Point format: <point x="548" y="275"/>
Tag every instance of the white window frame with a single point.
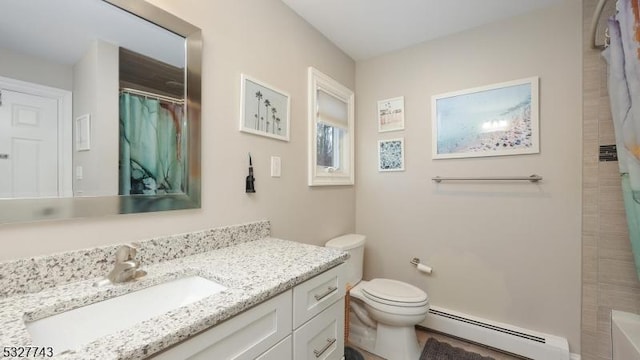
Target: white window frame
<point x="326" y="176"/>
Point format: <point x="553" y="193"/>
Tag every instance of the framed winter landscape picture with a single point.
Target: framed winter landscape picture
<point x="391" y="114"/>
<point x="494" y="120"/>
<point x="264" y="110"/>
<point x="391" y="155"/>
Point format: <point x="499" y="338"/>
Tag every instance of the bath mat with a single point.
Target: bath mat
<point x="352" y="354"/>
<point x="436" y="350"/>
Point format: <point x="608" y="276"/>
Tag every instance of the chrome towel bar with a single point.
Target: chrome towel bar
<point x="532" y="178"/>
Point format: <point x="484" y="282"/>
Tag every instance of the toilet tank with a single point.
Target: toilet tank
<point x="354" y="245"/>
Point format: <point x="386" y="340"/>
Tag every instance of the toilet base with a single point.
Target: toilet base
<point x="361" y="335"/>
<point x="389" y="342"/>
<point x="393" y="342"/>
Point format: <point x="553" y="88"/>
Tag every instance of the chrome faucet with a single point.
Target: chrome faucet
<point x="126" y="267"/>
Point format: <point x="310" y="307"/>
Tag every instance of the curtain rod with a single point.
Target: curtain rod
<point x="152" y="95"/>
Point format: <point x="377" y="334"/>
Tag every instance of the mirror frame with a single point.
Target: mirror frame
<point x="25" y="210"/>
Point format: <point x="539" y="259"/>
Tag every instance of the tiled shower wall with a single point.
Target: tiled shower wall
<point x="609" y="280"/>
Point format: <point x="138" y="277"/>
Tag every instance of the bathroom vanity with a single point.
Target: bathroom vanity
<point x="281" y="299"/>
<point x="306" y="322"/>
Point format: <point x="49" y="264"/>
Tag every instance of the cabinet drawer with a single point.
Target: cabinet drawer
<point x="282" y="351"/>
<point x="317" y="294"/>
<point x="322" y="338"/>
<point x="245" y="336"/>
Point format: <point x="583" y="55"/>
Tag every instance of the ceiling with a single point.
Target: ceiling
<point x="367" y="28"/>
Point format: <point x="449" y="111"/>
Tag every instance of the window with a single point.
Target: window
<point x="330" y="131"/>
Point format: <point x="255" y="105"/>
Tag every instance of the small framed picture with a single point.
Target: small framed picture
<point x="264" y="110"/>
<point x="391" y="155"/>
<point x="391" y="114"/>
<point x="83" y="133"/>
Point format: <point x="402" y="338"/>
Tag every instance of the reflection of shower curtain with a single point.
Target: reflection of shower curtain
<point x="151" y="146"/>
<point x="623" y="57"/>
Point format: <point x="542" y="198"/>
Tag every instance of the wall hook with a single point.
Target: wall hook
<point x="249" y="184"/>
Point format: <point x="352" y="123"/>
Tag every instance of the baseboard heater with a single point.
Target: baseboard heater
<point x="518" y="341"/>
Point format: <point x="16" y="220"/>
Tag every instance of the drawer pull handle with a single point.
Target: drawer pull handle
<point x="330" y="289"/>
<point x="326" y="346"/>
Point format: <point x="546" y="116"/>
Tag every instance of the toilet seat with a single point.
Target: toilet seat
<point x="394" y="293"/>
<point x="376" y="296"/>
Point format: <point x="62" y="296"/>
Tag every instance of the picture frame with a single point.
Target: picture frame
<point x="391" y="155"/>
<point x="494" y="120"/>
<point x="258" y="99"/>
<point x="83" y="132"/>
<point x="391" y="114"/>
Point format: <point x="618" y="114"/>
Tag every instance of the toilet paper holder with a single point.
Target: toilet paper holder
<point x="420" y="266"/>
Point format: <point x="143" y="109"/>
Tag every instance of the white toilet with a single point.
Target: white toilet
<point x="383" y="312"/>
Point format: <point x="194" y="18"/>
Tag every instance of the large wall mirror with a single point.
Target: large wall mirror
<point x="99" y="109"/>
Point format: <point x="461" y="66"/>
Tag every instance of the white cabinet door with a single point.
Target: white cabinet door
<point x="245" y="336"/>
<point x="282" y="351"/>
<point x="317" y="294"/>
<point x="322" y="338"/>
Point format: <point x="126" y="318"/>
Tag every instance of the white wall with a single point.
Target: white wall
<point x="35" y="69"/>
<point x="95" y="92"/>
<point x="268" y="41"/>
<point x="505" y="252"/>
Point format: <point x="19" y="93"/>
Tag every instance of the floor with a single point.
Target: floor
<point x="424" y="335"/>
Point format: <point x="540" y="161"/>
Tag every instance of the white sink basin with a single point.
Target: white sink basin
<point x="72" y="329"/>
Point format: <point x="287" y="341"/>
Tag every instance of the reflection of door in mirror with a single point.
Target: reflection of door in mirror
<point x="30" y="129"/>
<point x="80" y="53"/>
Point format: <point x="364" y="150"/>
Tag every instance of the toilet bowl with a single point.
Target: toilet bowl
<point x="383" y="312"/>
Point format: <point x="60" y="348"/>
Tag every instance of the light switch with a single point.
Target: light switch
<point x="79" y="174"/>
<point x="275" y="166"/>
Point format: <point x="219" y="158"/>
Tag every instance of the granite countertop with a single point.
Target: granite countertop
<point x="252" y="272"/>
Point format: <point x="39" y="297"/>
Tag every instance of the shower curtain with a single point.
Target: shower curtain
<point x="623" y="59"/>
<point x="152" y="146"/>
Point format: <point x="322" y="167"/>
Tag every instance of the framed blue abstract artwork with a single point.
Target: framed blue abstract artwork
<point x="391" y="155"/>
<point x="493" y="120"/>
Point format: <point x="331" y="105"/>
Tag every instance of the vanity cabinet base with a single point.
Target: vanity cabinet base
<point x="268" y="332"/>
<point x="280" y="351"/>
<point x="321" y="338"/>
<point x="245" y="336"/>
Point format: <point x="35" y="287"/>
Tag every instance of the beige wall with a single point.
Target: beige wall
<point x="95" y="91"/>
<point x="269" y="42"/>
<point x="36" y="70"/>
<point x="508" y="252"/>
<point x="609" y="279"/>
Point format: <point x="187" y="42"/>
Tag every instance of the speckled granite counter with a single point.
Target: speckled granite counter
<point x="252" y="272"/>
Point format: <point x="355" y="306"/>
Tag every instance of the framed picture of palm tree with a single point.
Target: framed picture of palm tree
<point x="264" y="110"/>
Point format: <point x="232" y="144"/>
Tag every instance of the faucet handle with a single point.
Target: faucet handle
<point x="133" y="249"/>
<point x="127" y="252"/>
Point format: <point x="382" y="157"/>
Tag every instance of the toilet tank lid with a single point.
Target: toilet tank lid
<point x="346" y="242"/>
